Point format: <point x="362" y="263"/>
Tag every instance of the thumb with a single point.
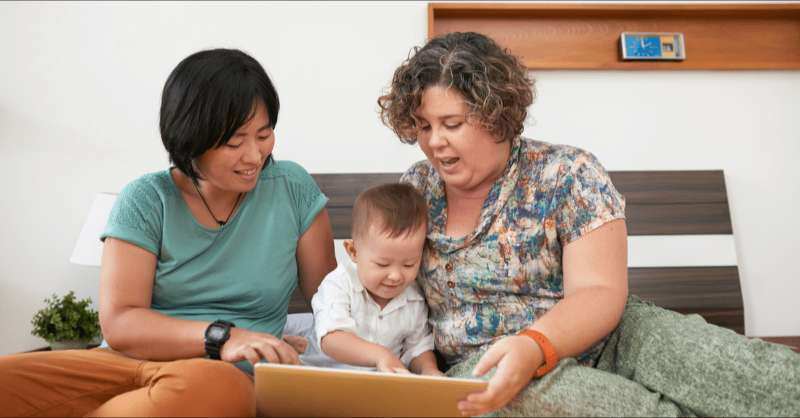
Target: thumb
<point x="487" y="362"/>
<point x="297" y="342"/>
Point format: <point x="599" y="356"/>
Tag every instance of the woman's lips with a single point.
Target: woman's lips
<point x="448" y="163"/>
<point x="247" y="174"/>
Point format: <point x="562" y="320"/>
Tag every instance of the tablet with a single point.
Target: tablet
<point x="283" y="390"/>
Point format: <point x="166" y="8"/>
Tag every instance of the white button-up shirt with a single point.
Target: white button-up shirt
<point x="343" y="304"/>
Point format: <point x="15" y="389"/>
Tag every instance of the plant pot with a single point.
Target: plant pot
<point x="68" y="345"/>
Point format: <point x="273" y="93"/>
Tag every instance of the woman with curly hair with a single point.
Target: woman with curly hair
<point x="525" y="268"/>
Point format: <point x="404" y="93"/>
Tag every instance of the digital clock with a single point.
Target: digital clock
<point x="652" y="46"/>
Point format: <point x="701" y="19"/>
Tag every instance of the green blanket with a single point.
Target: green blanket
<point x="661" y="363"/>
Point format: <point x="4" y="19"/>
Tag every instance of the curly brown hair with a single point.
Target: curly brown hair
<point x="495" y="84"/>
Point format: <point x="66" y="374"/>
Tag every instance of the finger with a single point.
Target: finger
<point x="385" y="369"/>
<point x="267" y="352"/>
<point x="482" y="398"/>
<point x="476" y="401"/>
<point x="485" y="406"/>
<point x="250" y="354"/>
<point x="401" y="370"/>
<point x="487" y="361"/>
<point x="471" y="410"/>
<point x="295" y="342"/>
<point x="298" y="343"/>
<point x="493" y="405"/>
<point x="286" y="353"/>
<point x="497" y="391"/>
<point x="490" y="396"/>
<point x="475" y="409"/>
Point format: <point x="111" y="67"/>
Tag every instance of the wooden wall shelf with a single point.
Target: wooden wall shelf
<point x="557" y="36"/>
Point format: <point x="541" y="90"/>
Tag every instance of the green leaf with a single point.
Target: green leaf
<point x="66" y="318"/>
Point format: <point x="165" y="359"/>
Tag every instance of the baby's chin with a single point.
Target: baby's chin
<point x="388" y="294"/>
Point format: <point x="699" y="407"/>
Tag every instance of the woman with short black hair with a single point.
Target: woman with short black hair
<point x="199" y="261"/>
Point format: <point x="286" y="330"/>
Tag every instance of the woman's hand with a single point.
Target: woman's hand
<point x="516" y="358"/>
<point x="390" y="363"/>
<point x="300" y="344"/>
<point x="254" y="346"/>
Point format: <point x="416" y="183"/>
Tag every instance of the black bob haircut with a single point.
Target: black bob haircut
<point x="207" y="98"/>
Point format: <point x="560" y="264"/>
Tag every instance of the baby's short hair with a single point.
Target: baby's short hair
<point x="394" y="208"/>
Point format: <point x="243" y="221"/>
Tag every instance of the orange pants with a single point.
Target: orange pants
<point x="102" y="382"/>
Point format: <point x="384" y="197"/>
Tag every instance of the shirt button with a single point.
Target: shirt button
<point x="448" y="267"/>
<point x="451" y="284"/>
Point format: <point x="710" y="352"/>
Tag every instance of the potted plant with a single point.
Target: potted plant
<point x="66" y="323"/>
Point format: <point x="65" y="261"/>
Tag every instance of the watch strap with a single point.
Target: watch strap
<point x="213" y="350"/>
<point x="550" y="356"/>
<point x="214" y="347"/>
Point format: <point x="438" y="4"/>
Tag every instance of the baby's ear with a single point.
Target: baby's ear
<point x="350" y="247"/>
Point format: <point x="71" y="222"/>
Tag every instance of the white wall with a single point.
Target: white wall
<point x="79" y="95"/>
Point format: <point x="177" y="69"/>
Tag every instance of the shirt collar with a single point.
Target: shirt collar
<point x="502" y="188"/>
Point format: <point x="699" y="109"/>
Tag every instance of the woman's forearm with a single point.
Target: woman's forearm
<point x="129" y="325"/>
<point x="581" y="319"/>
<point x="146" y="334"/>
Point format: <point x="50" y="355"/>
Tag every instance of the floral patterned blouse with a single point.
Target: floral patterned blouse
<point x="507" y="272"/>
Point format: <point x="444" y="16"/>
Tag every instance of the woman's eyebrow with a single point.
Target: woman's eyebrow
<point x="263" y="128"/>
<point x="454" y="115"/>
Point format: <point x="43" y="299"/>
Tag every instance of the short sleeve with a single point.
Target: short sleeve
<point x="137" y="216"/>
<point x="331" y="306"/>
<point x="307" y="198"/>
<point x="421" y="340"/>
<point x="585" y="198"/>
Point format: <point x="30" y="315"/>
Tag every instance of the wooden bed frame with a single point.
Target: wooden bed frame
<point x="658" y="203"/>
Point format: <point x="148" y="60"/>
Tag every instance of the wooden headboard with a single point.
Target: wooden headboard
<point x="660" y="205"/>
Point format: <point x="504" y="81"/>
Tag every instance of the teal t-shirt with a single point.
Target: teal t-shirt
<point x="243" y="272"/>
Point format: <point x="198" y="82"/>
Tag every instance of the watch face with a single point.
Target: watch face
<point x="216" y="333"/>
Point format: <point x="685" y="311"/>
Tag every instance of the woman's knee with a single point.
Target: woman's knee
<point x="209" y="387"/>
<point x="61" y="382"/>
<point x="645" y="322"/>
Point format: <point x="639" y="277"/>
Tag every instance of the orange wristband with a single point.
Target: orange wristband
<point x="550" y="356"/>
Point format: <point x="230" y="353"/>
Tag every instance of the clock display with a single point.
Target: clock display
<point x="652" y="46"/>
<point x="648" y="46"/>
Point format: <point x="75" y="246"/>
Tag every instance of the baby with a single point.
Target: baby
<point x="370" y="312"/>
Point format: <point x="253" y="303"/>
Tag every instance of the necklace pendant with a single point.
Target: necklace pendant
<point x="235" y="204"/>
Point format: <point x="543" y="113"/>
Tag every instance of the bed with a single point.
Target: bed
<point x="681" y="244"/>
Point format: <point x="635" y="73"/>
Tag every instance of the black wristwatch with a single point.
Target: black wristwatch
<point x="216" y="334"/>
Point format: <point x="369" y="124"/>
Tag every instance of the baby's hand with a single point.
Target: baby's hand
<point x="389" y="363"/>
<point x="297" y="342"/>
<point x="433" y="372"/>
